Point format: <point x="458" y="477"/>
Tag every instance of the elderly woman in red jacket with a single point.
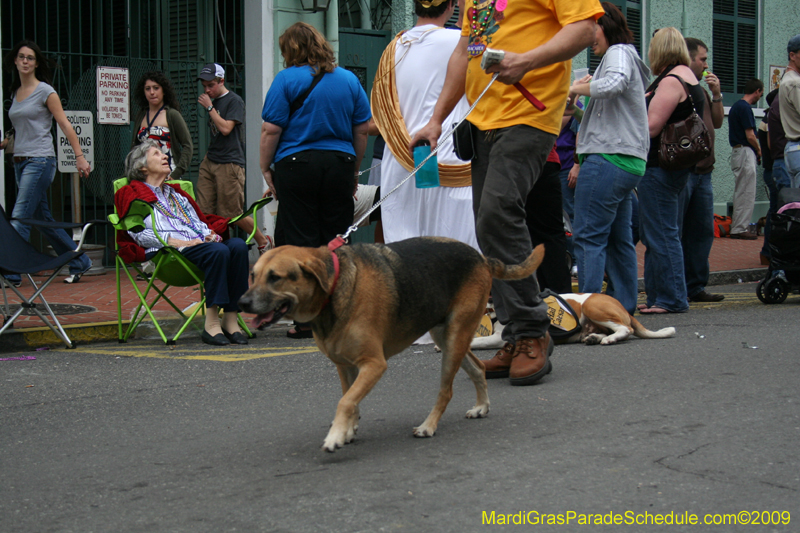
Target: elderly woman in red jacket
<point x="201" y="238"/>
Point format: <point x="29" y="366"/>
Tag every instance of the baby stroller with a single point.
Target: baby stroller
<point x="783" y="274"/>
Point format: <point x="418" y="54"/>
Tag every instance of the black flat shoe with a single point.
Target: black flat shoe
<point x="237" y="337"/>
<point x="217" y="340"/>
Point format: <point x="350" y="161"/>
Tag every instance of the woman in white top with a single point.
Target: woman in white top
<point x="34" y="105"/>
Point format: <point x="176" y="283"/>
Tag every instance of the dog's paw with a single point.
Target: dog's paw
<point x="593" y="339"/>
<point x="331" y="446"/>
<point x="479" y="411"/>
<point x="335" y="440"/>
<point x="424" y="431"/>
<point x="608" y="340"/>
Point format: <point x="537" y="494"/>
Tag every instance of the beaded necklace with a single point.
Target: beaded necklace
<point x="476" y="31"/>
<point x="164" y="209"/>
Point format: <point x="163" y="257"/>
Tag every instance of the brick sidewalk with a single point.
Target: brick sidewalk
<point x="99" y="292"/>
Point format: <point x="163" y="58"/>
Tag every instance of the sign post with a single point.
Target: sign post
<point x="83" y="125"/>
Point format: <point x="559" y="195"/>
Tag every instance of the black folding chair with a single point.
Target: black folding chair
<point x="20" y="257"/>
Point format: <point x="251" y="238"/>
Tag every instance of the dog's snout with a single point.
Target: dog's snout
<point x="246" y="302"/>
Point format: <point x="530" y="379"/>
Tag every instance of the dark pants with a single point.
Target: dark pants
<point x="315" y="190"/>
<point x="506" y="167"/>
<point x="225" y="265"/>
<point x="545" y="220"/>
<point x="696" y="228"/>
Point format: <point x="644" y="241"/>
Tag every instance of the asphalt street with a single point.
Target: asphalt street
<point x="139" y="438"/>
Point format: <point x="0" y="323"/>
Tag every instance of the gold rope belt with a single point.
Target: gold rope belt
<point x="389" y="119"/>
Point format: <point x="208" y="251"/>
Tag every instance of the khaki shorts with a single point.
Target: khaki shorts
<point x="220" y="188"/>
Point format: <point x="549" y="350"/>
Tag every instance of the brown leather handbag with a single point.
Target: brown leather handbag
<point x="686" y="142"/>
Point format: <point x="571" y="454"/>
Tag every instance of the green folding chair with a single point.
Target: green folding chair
<point x="171" y="268"/>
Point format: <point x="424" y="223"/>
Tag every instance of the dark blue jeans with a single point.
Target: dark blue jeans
<point x="568" y="204"/>
<point x="775" y="179"/>
<point x="696" y="227"/>
<point x="34" y="176"/>
<point x="603" y="237"/>
<point x="664" y="279"/>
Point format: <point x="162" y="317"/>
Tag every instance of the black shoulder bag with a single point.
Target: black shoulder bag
<point x="300" y="100"/>
<point x="686" y="142"/>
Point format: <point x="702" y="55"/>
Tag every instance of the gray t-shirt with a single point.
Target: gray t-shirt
<point x="228" y="148"/>
<point x="33" y="122"/>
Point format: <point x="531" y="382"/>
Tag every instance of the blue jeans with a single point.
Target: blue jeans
<point x="696" y="228"/>
<point x="568" y="204"/>
<point x="34" y="176"/>
<point x="776" y="179"/>
<point x="664" y="280"/>
<point x="791" y="156"/>
<point x="603" y="237"/>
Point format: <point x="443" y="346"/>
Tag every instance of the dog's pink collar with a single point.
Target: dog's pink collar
<point x="338" y="242"/>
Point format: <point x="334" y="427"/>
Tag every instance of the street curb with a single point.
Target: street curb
<point x="32" y="338"/>
<point x="728" y="277"/>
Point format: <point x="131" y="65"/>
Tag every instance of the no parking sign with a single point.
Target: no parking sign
<point x="83" y="125"/>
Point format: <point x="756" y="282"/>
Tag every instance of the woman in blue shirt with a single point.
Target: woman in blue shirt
<point x="316" y="148"/>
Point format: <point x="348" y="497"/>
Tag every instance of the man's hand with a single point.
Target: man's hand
<point x="713" y="83"/>
<point x="512" y="68"/>
<point x="430" y="132"/>
<point x="204" y="100"/>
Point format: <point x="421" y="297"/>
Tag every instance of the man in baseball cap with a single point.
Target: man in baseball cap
<point x="211" y="71"/>
<point x="221" y="177"/>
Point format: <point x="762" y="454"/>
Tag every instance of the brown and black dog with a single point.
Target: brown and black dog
<point x="384" y="298"/>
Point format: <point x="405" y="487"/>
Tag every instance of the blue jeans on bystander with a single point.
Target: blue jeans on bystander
<point x="34" y="176"/>
<point x="776" y="179"/>
<point x="696" y="228"/>
<point x="568" y="204"/>
<point x="664" y="279"/>
<point x="603" y="237"/>
<point x="791" y="156"/>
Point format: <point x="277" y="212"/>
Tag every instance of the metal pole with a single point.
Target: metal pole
<point x="76" y="205"/>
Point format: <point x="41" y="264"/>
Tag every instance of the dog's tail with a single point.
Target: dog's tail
<point x="500" y="270"/>
<point x="643" y="333"/>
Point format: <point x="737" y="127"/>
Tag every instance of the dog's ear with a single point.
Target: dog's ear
<point x="318" y="269"/>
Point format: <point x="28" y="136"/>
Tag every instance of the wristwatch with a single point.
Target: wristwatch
<point x="209" y="108"/>
<point x="715" y="100"/>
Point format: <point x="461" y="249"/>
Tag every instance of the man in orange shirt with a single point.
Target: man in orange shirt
<point x="512" y="139"/>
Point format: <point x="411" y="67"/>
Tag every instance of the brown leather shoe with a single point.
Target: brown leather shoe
<point x="497" y="366"/>
<point x="531" y="360"/>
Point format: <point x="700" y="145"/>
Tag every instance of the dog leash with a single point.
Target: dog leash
<point x="342" y="239"/>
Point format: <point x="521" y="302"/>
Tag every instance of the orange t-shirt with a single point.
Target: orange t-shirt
<point x="519" y="26"/>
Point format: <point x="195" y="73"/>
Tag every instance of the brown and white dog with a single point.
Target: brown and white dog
<point x="602" y="318"/>
<point x="367" y="302"/>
